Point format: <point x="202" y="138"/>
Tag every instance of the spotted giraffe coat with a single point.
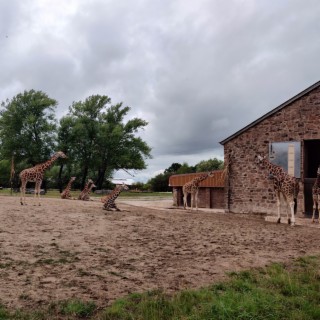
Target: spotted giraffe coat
<point x="316" y="195"/>
<point x="65" y="194"/>
<point x="109" y="200"/>
<point x="35" y="174"/>
<point x="192" y="187"/>
<point x="85" y="190"/>
<point x="283" y="184"/>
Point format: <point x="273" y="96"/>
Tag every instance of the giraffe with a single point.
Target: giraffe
<point x="192" y="187"/>
<point x="316" y="196"/>
<point x="283" y="184"/>
<point x="66" y="192"/>
<point x="109" y="200"/>
<point x="86" y="197"/>
<point x="35" y="174"/>
<point x="85" y="190"/>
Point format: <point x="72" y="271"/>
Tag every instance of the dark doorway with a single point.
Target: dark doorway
<point x="311" y="163"/>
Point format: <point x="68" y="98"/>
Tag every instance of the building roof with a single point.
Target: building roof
<point x="217" y="180"/>
<point x="283" y="105"/>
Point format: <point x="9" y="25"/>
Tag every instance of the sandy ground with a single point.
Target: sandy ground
<point x="68" y="249"/>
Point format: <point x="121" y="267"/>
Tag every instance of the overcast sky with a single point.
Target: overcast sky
<point x="197" y="71"/>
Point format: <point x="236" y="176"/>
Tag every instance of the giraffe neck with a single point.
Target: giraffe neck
<point x="86" y="187"/>
<point x="69" y="184"/>
<point x="44" y="166"/>
<point x="116" y="192"/>
<point x="199" y="179"/>
<point x="276" y="171"/>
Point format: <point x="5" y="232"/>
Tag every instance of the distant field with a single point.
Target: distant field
<point x="53" y="193"/>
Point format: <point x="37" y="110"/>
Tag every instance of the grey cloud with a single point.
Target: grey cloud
<point x="197" y="71"/>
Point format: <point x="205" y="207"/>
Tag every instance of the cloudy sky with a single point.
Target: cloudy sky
<point x="197" y="71"/>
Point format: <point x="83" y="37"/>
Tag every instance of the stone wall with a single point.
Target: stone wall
<point x="247" y="188"/>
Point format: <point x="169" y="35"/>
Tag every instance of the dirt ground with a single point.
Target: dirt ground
<point x="68" y="249"/>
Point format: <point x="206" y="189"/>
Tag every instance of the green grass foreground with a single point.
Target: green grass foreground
<point x="276" y="292"/>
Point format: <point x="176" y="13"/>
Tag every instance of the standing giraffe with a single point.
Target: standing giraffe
<point x="192" y="187"/>
<point x="109" y="200"/>
<point x="35" y="174"/>
<point x="85" y="190"/>
<point x="283" y="184"/>
<point x="316" y="196"/>
<point x="66" y="192"/>
<point x="86" y="196"/>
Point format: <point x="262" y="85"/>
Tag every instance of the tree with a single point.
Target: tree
<point x="160" y="183"/>
<point x="96" y="137"/>
<point x="173" y="168"/>
<point x="28" y="127"/>
<point x="209" y="165"/>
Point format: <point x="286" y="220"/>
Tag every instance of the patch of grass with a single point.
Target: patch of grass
<point x="77" y="308"/>
<point x="279" y="291"/>
<point x="275" y="292"/>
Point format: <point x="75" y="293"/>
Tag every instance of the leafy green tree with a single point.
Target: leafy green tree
<point x="28" y="127"/>
<point x="209" y="165"/>
<point x="99" y="140"/>
<point x="160" y="183"/>
<point x="185" y="168"/>
<point x="173" y="168"/>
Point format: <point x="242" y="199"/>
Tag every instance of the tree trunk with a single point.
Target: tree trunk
<point x="60" y="179"/>
<point x="100" y="179"/>
<point x="84" y="176"/>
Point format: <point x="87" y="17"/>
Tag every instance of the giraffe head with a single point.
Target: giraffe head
<point x="60" y="154"/>
<point x="122" y="187"/>
<point x="89" y="181"/>
<point x="211" y="173"/>
<point x="72" y="179"/>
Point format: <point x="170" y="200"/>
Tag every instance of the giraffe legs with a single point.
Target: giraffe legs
<point x="192" y="200"/>
<point x="185" y="196"/>
<point x="279" y="206"/>
<point x="23" y="192"/>
<point x="197" y="198"/>
<point x="37" y="191"/>
<point x="315" y="206"/>
<point x="292" y="221"/>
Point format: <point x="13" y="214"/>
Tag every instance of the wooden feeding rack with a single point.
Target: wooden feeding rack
<point x="216" y="181"/>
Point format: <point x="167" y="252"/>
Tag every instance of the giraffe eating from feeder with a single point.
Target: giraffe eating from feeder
<point x="192" y="187"/>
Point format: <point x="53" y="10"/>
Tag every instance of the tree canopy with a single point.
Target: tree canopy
<point x="97" y="137"/>
<point x="28" y="127"/>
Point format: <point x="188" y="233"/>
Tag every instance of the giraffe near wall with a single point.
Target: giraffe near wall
<point x="85" y="190"/>
<point x="35" y="174"/>
<point x="192" y="187"/>
<point x="316" y="196"/>
<point x="109" y="200"/>
<point x="283" y="184"/>
<point x="65" y="194"/>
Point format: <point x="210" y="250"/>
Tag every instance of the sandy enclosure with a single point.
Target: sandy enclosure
<point x="68" y="249"/>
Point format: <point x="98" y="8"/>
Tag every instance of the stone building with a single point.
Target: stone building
<point x="290" y="136"/>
